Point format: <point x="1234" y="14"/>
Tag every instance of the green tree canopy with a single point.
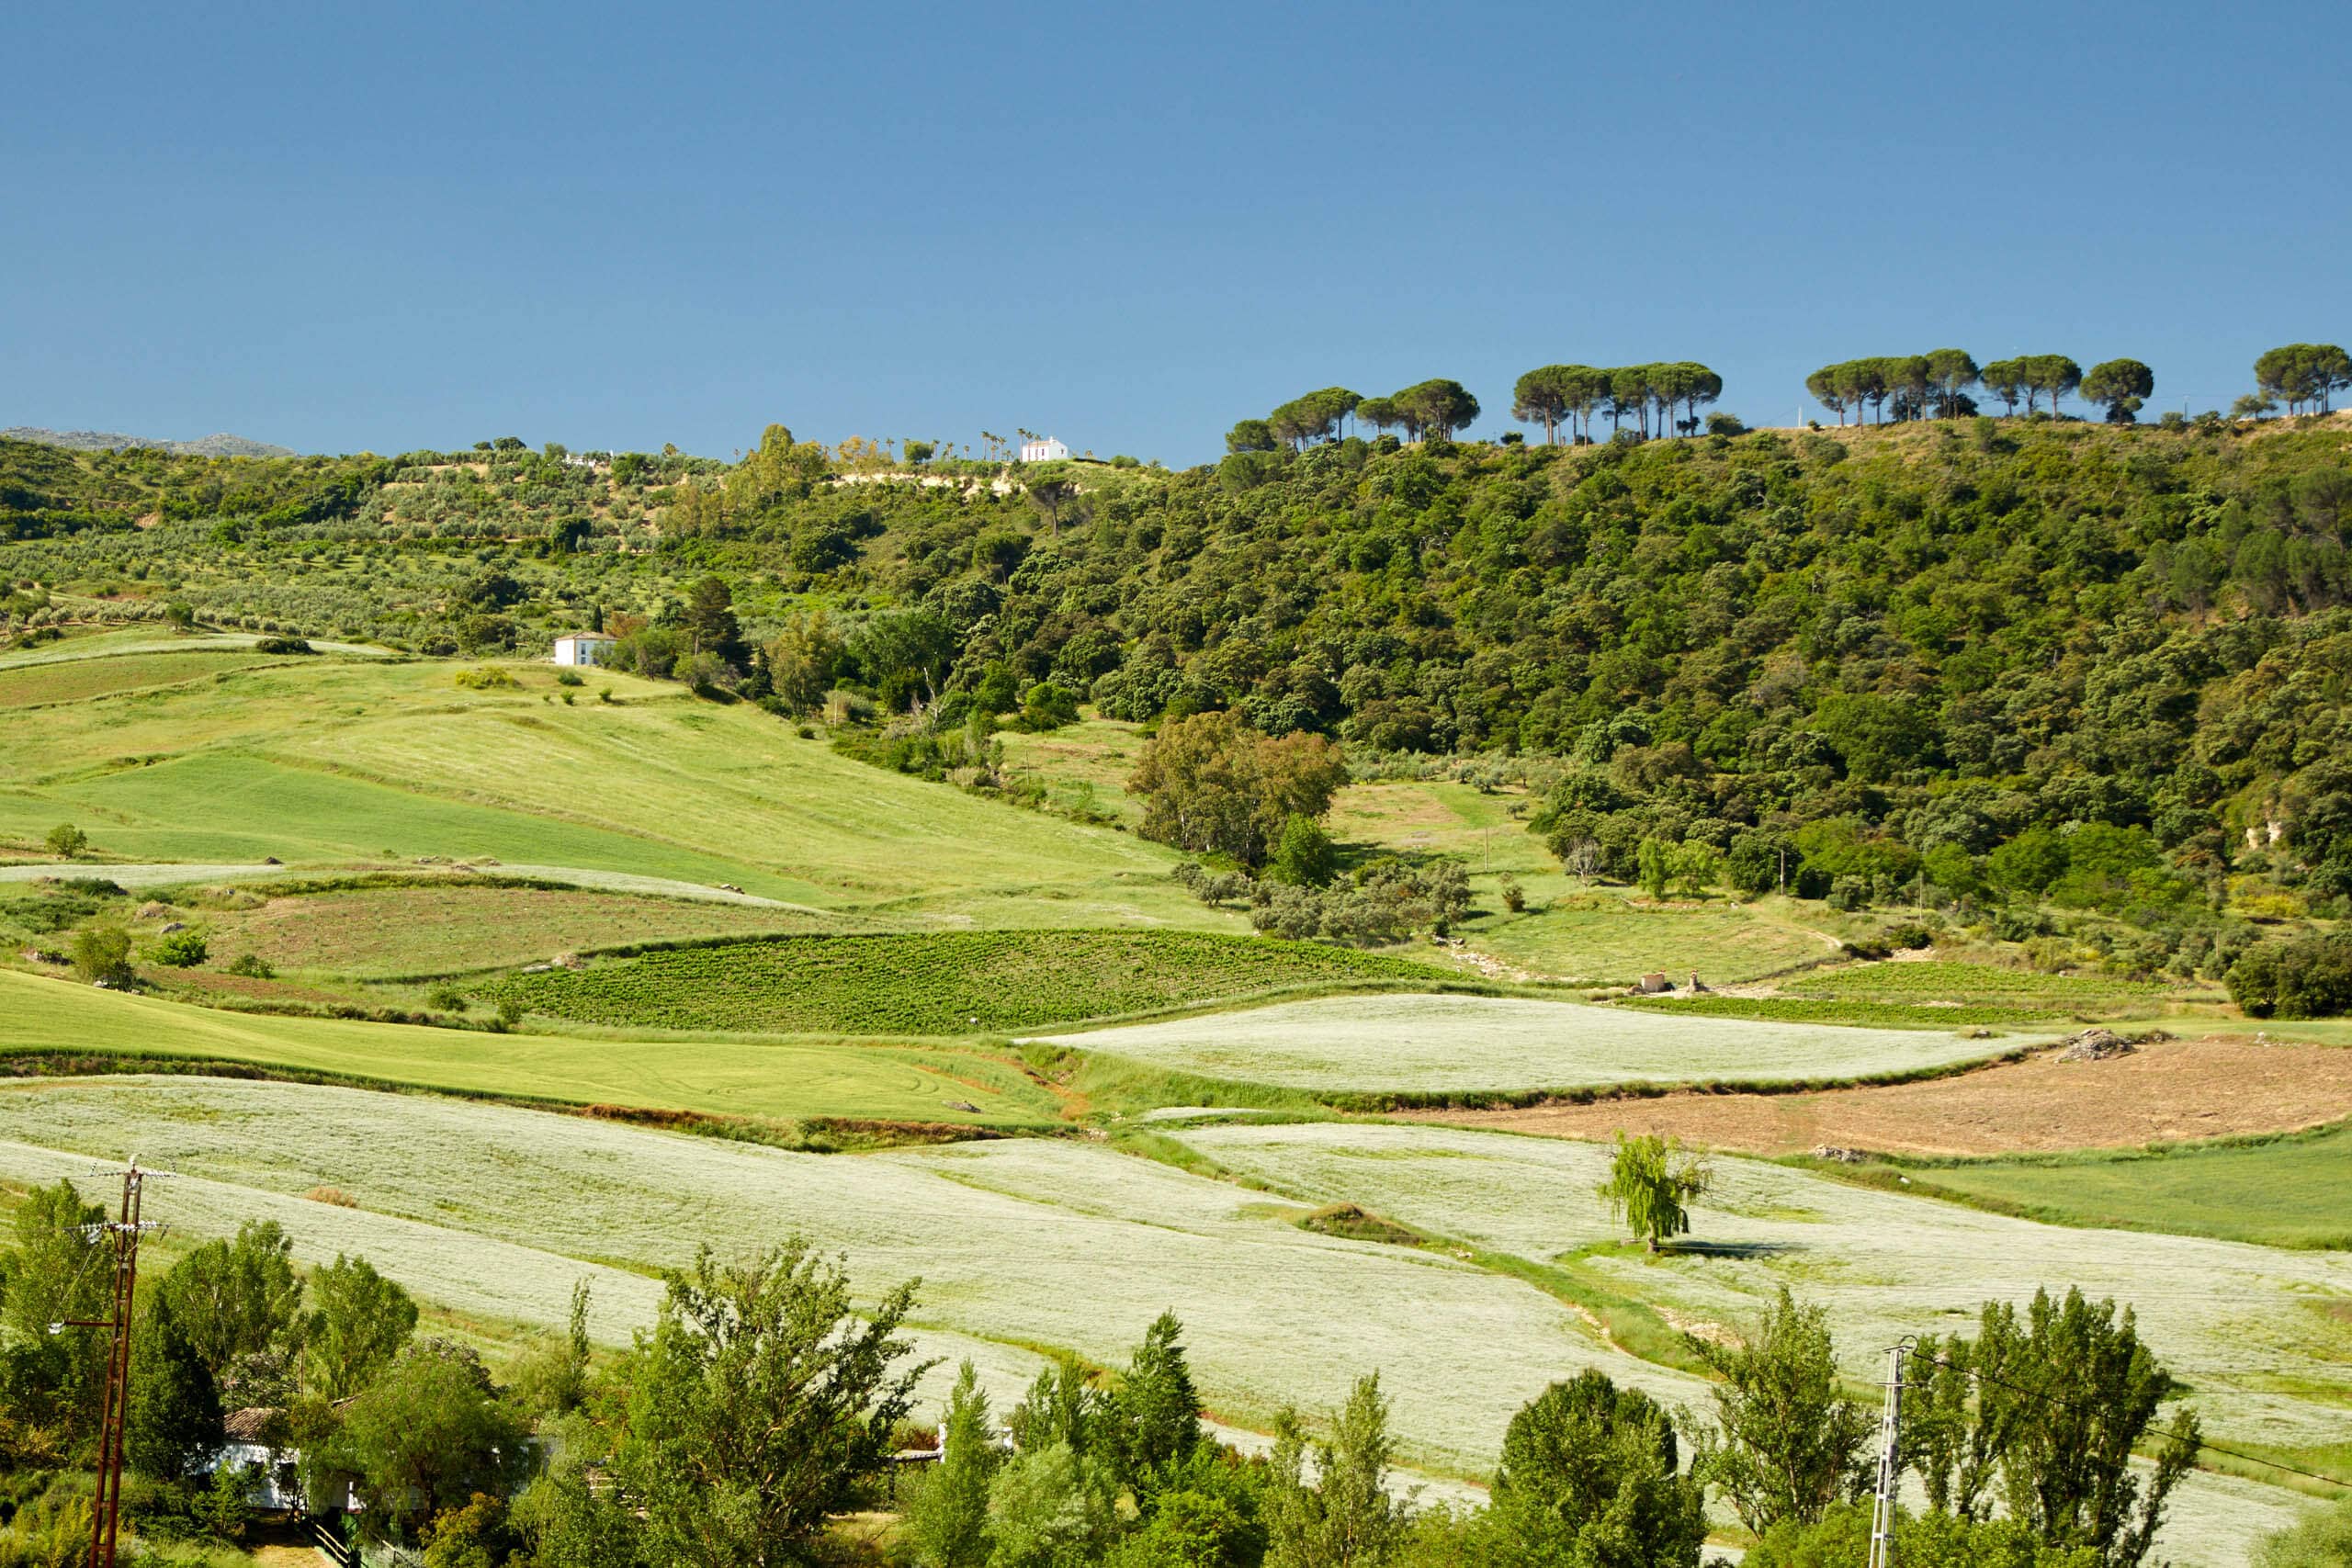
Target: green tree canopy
<point x="1589" y="1473"/>
<point x="2121" y="387"/>
<point x="1652" y="1183"/>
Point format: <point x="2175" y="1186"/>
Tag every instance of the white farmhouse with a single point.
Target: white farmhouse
<point x="1045" y="449"/>
<point x="582" y="647"/>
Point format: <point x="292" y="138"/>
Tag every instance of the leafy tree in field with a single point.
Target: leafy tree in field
<point x="2051" y="375"/>
<point x="2306" y="977"/>
<point x="2119" y="385"/>
<point x="2006" y="379"/>
<point x="904" y="655"/>
<point x="1304" y="857"/>
<point x="174" y="1414"/>
<point x="1950" y="372"/>
<point x="1050" y="1508"/>
<point x="1652" y="1183"/>
<point x="427" y="1436"/>
<point x="803" y="659"/>
<point x="2043" y="1418"/>
<point x="1696" y="867"/>
<point x="1589" y="1475"/>
<point x="1909" y="382"/>
<point x="1828" y="388"/>
<point x="1210" y="784"/>
<point x="1436" y="406"/>
<point x="758" y="1405"/>
<point x="1656" y="866"/>
<point x="1346" y="1518"/>
<point x="235" y="1298"/>
<point x="2304" y="376"/>
<point x="1061" y="1407"/>
<point x="710" y="622"/>
<point x="1252" y="435"/>
<point x="1541" y="396"/>
<point x="1787" y="1445"/>
<point x="66" y="842"/>
<point x="56" y="1272"/>
<point x="358" y="1322"/>
<point x="946" y="1519"/>
<point x="1156" y="1412"/>
<point x="102" y="956"/>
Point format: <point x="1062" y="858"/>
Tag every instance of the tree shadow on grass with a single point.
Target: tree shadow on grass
<point x="1732" y="1249"/>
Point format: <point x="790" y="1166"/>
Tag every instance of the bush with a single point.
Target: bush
<point x="445" y="998"/>
<point x="1514" y="895"/>
<point x="181" y="950"/>
<point x="102" y="956"/>
<point x="284" y="645"/>
<point x="253" y="966"/>
<point x="2301" y="977"/>
<point x="486" y="678"/>
<point x="66" y="842"/>
<point x="568" y="678"/>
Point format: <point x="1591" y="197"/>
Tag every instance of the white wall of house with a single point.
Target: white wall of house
<point x="582" y="650"/>
<point x="1047" y="451"/>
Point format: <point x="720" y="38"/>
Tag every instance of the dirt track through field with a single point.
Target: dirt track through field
<point x="2163" y="1092"/>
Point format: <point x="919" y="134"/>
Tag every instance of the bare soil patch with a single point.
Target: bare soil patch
<point x="2163" y="1092"/>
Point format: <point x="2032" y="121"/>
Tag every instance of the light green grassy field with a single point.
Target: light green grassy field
<point x="1023" y="1243"/>
<point x="2257" y="1333"/>
<point x="1440" y="1043"/>
<point x="2285" y="1192"/>
<point x="333" y="761"/>
<point x="1986" y="984"/>
<point x="783" y="1079"/>
<point x="150" y="638"/>
<point x="940" y="982"/>
<point x="79" y="680"/>
<point x="1056" y="1244"/>
<point x="1609" y="937"/>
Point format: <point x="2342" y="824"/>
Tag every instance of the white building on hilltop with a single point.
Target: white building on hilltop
<point x="1045" y="449"/>
<point x="582" y="647"/>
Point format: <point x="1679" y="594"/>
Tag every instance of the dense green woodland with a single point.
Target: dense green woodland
<point x="1952" y="659"/>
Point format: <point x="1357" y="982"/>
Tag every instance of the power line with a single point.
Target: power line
<point x="105" y="1508"/>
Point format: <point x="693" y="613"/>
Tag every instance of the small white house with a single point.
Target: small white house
<point x="582" y="647"/>
<point x="1045" y="449"/>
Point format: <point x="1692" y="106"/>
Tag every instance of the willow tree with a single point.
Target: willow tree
<point x="1652" y="1183"/>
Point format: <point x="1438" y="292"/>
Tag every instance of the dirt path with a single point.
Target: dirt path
<point x="2173" y="1090"/>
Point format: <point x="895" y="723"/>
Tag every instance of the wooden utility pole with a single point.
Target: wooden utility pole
<point x="106" y="1508"/>
<point x="1890" y="1461"/>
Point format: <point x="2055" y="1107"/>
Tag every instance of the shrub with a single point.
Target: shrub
<point x="485" y="678"/>
<point x="66" y="842"/>
<point x="102" y="956"/>
<point x="284" y="645"/>
<point x="181" y="950"/>
<point x="447" y="998"/>
<point x="568" y="678"/>
<point x="1514" y="895"/>
<point x="253" y="966"/>
<point x="1305" y="856"/>
<point x="2301" y="977"/>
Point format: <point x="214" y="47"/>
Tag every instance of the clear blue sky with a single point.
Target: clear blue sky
<point x="344" y="227"/>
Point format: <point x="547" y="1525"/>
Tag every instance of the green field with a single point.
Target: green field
<point x="1451" y="1045"/>
<point x="1074" y="1247"/>
<point x="940" y="983"/>
<point x="334" y="761"/>
<point x="2286" y="1192"/>
<point x="1985" y="984"/>
<point x="79" y="680"/>
<point x="1604" y="937"/>
<point x="1824" y="1009"/>
<point x="2260" y="1335"/>
<point x="783" y="1079"/>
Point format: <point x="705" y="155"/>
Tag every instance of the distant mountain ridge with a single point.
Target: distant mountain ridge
<point x="216" y="445"/>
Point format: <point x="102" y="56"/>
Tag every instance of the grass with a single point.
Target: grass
<point x="2284" y="1191"/>
<point x="943" y="982"/>
<point x="334" y="761"/>
<point x="2259" y="1334"/>
<point x="381" y="932"/>
<point x="782" y="1080"/>
<point x="1441" y="1045"/>
<point x="1026" y="1241"/>
<point x="1602" y="936"/>
<point x="79" y="680"/>
<point x="1985" y="984"/>
<point x="1812" y="1010"/>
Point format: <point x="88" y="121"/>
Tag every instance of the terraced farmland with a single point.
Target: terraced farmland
<point x="1982" y="984"/>
<point x="945" y="983"/>
<point x="1432" y="1045"/>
